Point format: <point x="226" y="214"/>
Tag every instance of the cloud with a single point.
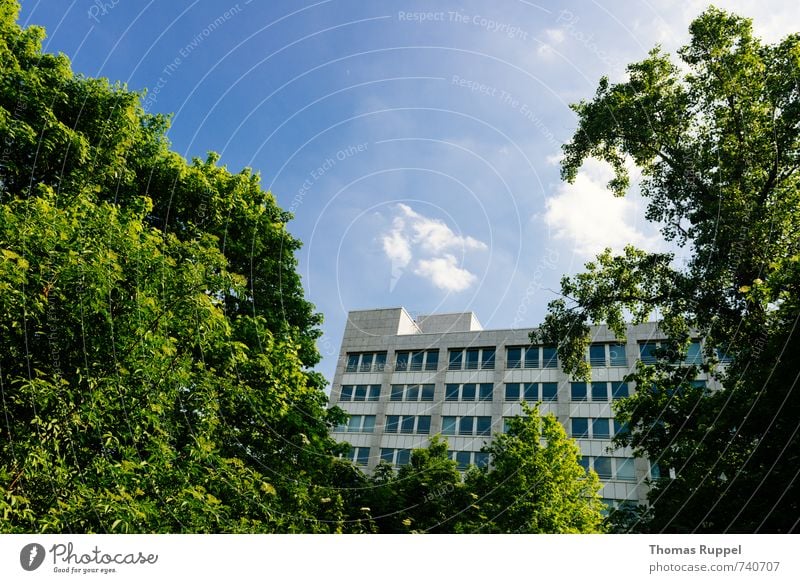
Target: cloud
<point x="433" y="243"/>
<point x="586" y="214"/>
<point x="445" y="274"/>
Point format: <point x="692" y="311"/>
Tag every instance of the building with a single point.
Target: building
<point x="403" y="379"/>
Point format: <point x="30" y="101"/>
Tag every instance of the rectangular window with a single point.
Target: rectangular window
<point x="532" y="357"/>
<point x="424" y="424"/>
<point x="432" y="360"/>
<point x="380" y="361"/>
<point x="412" y="393"/>
<point x="369" y="424"/>
<point x="486" y="392"/>
<point x="462" y="459"/>
<point x="466" y="425"/>
<point x="448" y="425"/>
<point x="427" y="393"/>
<point x="401" y="362"/>
<point x="392" y="421"/>
<point x="397" y="393"/>
<point x="455" y="359"/>
<point x="625" y="469"/>
<point x="451" y="392"/>
<point x="484" y="425"/>
<point x="361" y="424"/>
<point x="362" y="456"/>
<point x="417" y="358"/>
<point x="403" y="457"/>
<point x="597" y="355"/>
<point x="549" y="392"/>
<point x="693" y="354"/>
<point x="513" y="357"/>
<point x="601" y="429"/>
<point x="361" y="393"/>
<point x="407" y="424"/>
<point x="472" y="359"/>
<point x="387" y="455"/>
<point x="352" y="363"/>
<point x="549" y="357"/>
<point x="468" y="392"/>
<point x="655" y="471"/>
<point x="620" y="428"/>
<point x="487" y="360"/>
<point x="619" y="390"/>
<point x="481" y="459"/>
<point x="366" y="362"/>
<point x="531" y="392"/>
<point x="347" y="393"/>
<point x="374" y="393"/>
<point x="512" y="391"/>
<point x="506" y="424"/>
<point x="599" y="392"/>
<point x="354" y="424"/>
<point x="578" y="391"/>
<point x="602" y="465"/>
<point x="616" y="352"/>
<point x="584" y="463"/>
<point x="647" y="352"/>
<point x="580" y="427"/>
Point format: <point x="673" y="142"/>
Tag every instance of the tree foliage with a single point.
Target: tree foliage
<point x="716" y="140"/>
<point x="154" y="338"/>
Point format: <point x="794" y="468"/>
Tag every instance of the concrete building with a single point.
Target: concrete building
<point x="403" y="379"/>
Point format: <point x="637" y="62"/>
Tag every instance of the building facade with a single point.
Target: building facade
<point x="402" y="380"/>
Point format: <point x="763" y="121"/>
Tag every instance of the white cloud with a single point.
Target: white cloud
<point x="445" y="274"/>
<point x="433" y="243"/>
<point x="586" y="214"/>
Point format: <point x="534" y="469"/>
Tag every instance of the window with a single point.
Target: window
<point x="481" y="459"/>
<point x="451" y="392"/>
<point x="506" y="425"/>
<point x="472" y="358"/>
<point x="448" y="425"/>
<point x="358" y="455"/>
<point x="599" y="392"/>
<point x="468" y="392"/>
<point x="549" y="391"/>
<point x="387" y="455"/>
<point x="416" y="360"/>
<point x="625" y="469"/>
<point x="466" y="425"/>
<point x="601" y="428"/>
<point x="578" y="391"/>
<point x="412" y="393"/>
<point x="549" y="357"/>
<point x="724" y="355"/>
<point x="584" y="463"/>
<point x="647" y="352"/>
<point x="361" y="393"/>
<point x="347" y="393"/>
<point x="602" y="465"/>
<point x="366" y="362"/>
<point x="358" y="424"/>
<point x="619" y="390"/>
<point x="408" y="424"/>
<point x="513" y="357"/>
<point x="580" y="427"/>
<point x="512" y="391"/>
<point x="486" y="392"/>
<point x="396" y="457"/>
<point x="655" y="471"/>
<point x="620" y="428"/>
<point x="597" y="355"/>
<point x="519" y="356"/>
<point x="616" y="353"/>
<point x="694" y="354"/>
<point x="484" y="425"/>
<point x="531" y="393"/>
<point x="532" y="357"/>
<point x="403" y="457"/>
<point x="463" y="459"/>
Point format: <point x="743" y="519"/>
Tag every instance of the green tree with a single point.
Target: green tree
<point x="154" y="338"/>
<point x="716" y="142"/>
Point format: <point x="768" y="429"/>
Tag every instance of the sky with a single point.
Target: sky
<point x="416" y="142"/>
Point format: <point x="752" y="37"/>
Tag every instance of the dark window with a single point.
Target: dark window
<point x="602" y="465"/>
<point x="392" y="421"/>
<point x="347" y="393"/>
<point x="352" y="363"/>
<point x="486" y="392"/>
<point x="549" y="391"/>
<point x="488" y="359"/>
<point x="620" y="428"/>
<point x="366" y="362"/>
<point x="531" y="392"/>
<point x="412" y="392"/>
<point x="380" y="361"/>
<point x="374" y="393"/>
<point x="397" y="393"/>
<point x="600" y="429"/>
<point x="481" y="459"/>
<point x="417" y="359"/>
<point x="448" y="425"/>
<point x="387" y="455"/>
<point x="512" y="391"/>
<point x="407" y="424"/>
<point x="462" y="459"/>
<point x="532" y="357"/>
<point x="362" y="456"/>
<point x="578" y="391"/>
<point x="693" y="354"/>
<point x="597" y="355"/>
<point x="468" y="392"/>
<point x="401" y="363"/>
<point x="617" y="354"/>
<point x="466" y="425"/>
<point x="619" y="390"/>
<point x="472" y="359"/>
<point x="451" y="393"/>
<point x="580" y="427"/>
<point x="424" y="424"/>
<point x="427" y="393"/>
<point x="584" y="463"/>
<point x="432" y="362"/>
<point x="513" y="357"/>
<point x="549" y="357"/>
<point x="403" y="457"/>
<point x="455" y="359"/>
<point x="647" y="352"/>
<point x="361" y="393"/>
<point x="625" y="469"/>
<point x="484" y="425"/>
<point x="599" y="392"/>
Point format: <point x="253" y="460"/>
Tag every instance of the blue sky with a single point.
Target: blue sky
<point x="415" y="142"/>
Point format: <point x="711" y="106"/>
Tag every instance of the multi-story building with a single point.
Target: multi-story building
<point x="403" y="379"/>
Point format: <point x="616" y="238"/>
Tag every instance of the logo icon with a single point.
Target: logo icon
<point x="31" y="556"/>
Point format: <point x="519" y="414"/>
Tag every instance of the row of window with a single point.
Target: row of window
<point x="531" y="392"/>
<point x="466" y="425"/>
<point x="599" y="428"/>
<point x="599" y="355"/>
<point x="412" y="393"/>
<point x="599" y="391"/>
<point x="463" y="459"/>
<point x="469" y="392"/>
<point x="408" y="424"/>
<point x="611" y="468"/>
<point x="358" y="455"/>
<point x="360" y="393"/>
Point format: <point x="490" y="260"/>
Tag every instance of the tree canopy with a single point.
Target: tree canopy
<point x="716" y="140"/>
<point x="155" y="343"/>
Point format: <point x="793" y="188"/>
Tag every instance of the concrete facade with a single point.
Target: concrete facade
<point x="467" y="400"/>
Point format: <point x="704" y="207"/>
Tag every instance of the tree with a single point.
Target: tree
<point x="534" y="484"/>
<point x="716" y="142"/>
<point x="154" y="338"/>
